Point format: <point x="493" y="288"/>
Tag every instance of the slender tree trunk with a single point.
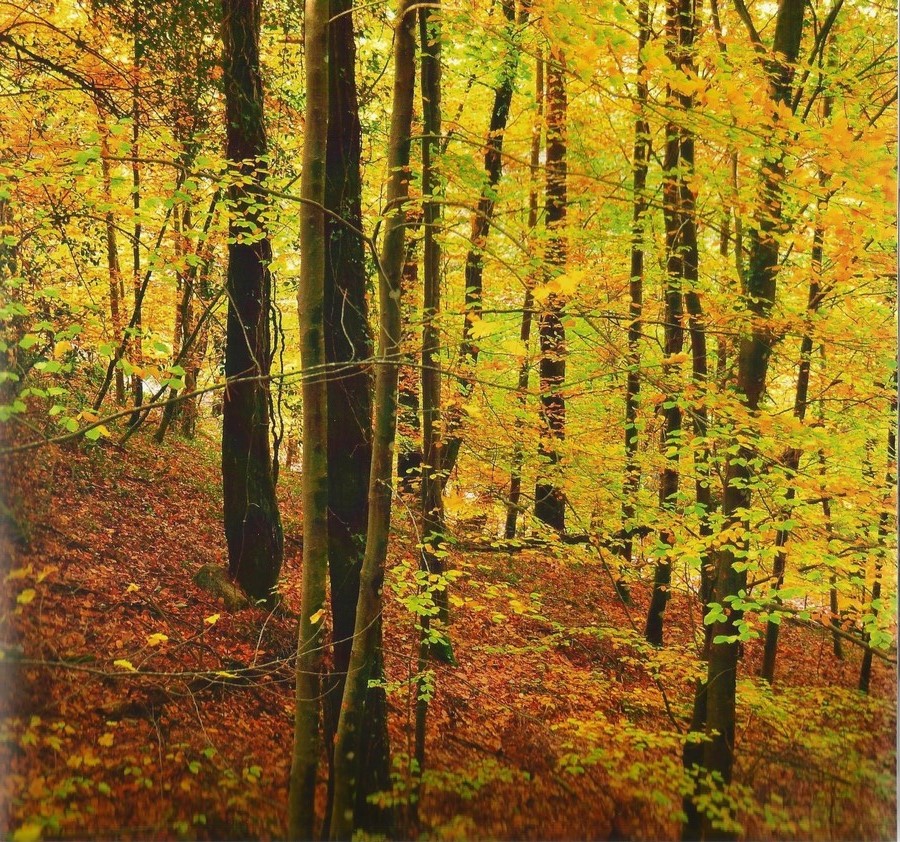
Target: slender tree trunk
<point x="364" y="654"/>
<point x="348" y="348"/>
<point x="632" y="480"/>
<point x="196" y="352"/>
<point x="311" y="300"/>
<point x="135" y="346"/>
<point x="518" y="460"/>
<point x="884" y="529"/>
<point x="549" y="497"/>
<point x="833" y="600"/>
<point x="481" y="222"/>
<point x="252" y="522"/>
<point x="792" y="457"/>
<point x="432" y="449"/>
<point x="753" y="358"/>
<point x="409" y="428"/>
<point x="680" y="230"/>
<point x="183" y="315"/>
<point x="112" y="261"/>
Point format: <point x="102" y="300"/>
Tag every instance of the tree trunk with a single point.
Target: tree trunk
<point x="481" y="222"/>
<point x="549" y="497"/>
<point x="680" y="229"/>
<point x="183" y="315"/>
<point x="112" y="261"/>
<point x="409" y="429"/>
<point x="515" y="479"/>
<point x="792" y="457"/>
<point x="632" y="480"/>
<point x="252" y="522"/>
<point x="348" y="348"/>
<point x="833" y="602"/>
<point x="301" y="804"/>
<point x="364" y="655"/>
<point x="135" y="349"/>
<point x="753" y="357"/>
<point x="432" y="448"/>
<point x="884" y="529"/>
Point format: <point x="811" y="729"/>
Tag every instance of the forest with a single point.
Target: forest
<point x="448" y="419"/>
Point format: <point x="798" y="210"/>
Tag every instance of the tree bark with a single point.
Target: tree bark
<point x="518" y="460"/>
<point x="890" y="487"/>
<point x="136" y="351"/>
<point x="432" y="447"/>
<point x="409" y="428"/>
<point x="481" y="223"/>
<point x="252" y="521"/>
<point x="632" y="479"/>
<point x="366" y="647"/>
<point x="311" y="300"/>
<point x="792" y="457"/>
<point x="752" y="366"/>
<point x="681" y="245"/>
<point x="348" y="349"/>
<point x="112" y="261"/>
<point x="549" y="497"/>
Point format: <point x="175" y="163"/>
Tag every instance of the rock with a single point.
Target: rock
<point x="213" y="578"/>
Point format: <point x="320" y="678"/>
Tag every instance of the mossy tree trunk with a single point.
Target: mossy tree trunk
<point x="307" y="745"/>
<point x="348" y="349"/>
<point x="365" y="652"/>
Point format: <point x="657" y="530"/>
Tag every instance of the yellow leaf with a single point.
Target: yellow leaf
<point x="62" y="348"/>
<point x="26" y="596"/>
<point x="541" y="293"/>
<point x="105" y="740"/>
<point x="132" y="588"/>
<point x="480" y="328"/>
<point x="27" y="833"/>
<point x="125" y="665"/>
<point x="19" y="573"/>
<point x="212" y="619"/>
<point x="516" y="347"/>
<point x="315" y="618"/>
<point x="45" y="572"/>
<point x="156" y="638"/>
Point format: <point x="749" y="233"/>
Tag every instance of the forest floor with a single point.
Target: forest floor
<point x="122" y="719"/>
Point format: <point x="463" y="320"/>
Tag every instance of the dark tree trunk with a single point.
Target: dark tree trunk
<point x="632" y="480"/>
<point x="681" y="247"/>
<point x="752" y="366"/>
<point x="348" y="347"/>
<point x="518" y="459"/>
<point x="432" y="448"/>
<point x="884" y="529"/>
<point x="365" y="652"/>
<point x="792" y="457"/>
<point x="409" y="428"/>
<point x="549" y="497"/>
<point x="252" y="522"/>
<point x="481" y="222"/>
<point x="136" y="351"/>
<point x="116" y="302"/>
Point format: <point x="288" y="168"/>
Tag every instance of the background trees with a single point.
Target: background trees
<point x="679" y="217"/>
